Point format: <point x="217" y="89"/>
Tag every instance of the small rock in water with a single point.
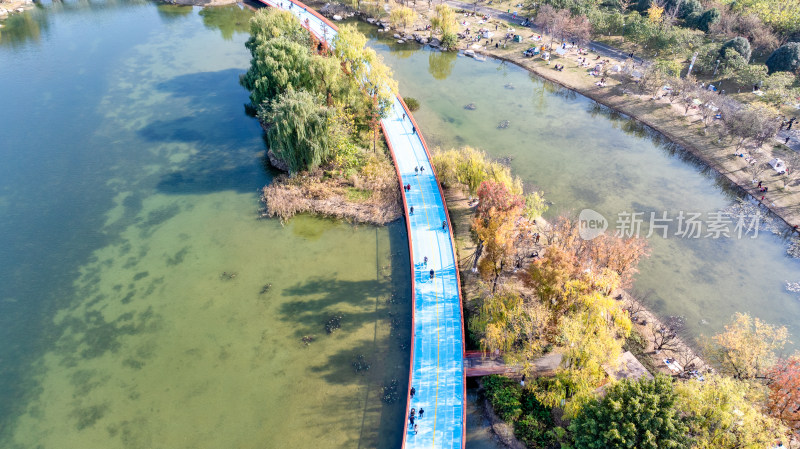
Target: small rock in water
<point x="361" y="364"/>
<point x="333" y="323"/>
<point x="470" y="107"/>
<point x="503" y="125"/>
<point x="794" y="249"/>
<point x="390" y="393"/>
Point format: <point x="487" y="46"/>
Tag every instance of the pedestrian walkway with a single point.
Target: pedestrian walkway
<point x="437" y="353"/>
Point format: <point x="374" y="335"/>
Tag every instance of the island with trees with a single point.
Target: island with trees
<point x="321" y="108"/>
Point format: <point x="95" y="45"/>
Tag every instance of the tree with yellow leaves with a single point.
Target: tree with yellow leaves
<point x="402" y="16"/>
<point x="655" y="13"/>
<point x="747" y="348"/>
<point x="722" y="413"/>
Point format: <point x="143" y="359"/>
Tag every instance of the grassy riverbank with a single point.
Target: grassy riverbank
<point x="783" y="197"/>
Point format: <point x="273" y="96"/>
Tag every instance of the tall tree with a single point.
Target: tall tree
<point x="271" y="23"/>
<point x="723" y="413"/>
<point x="747" y="348"/>
<point x="638" y="415"/>
<point x="402" y="16"/>
<point x="300" y="131"/>
<point x="494" y="224"/>
<point x="784" y="392"/>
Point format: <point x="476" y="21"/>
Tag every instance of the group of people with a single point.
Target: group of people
<point x="413" y="416"/>
<point x="559" y="67"/>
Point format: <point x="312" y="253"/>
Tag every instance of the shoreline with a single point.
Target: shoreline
<point x="642" y="317"/>
<point x="11" y="7"/>
<point x="665" y="118"/>
<point x="606" y="98"/>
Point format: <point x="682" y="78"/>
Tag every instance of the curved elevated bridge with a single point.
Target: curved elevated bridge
<point x="437" y="353"/>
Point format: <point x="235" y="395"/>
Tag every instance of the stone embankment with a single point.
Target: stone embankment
<point x="9" y="7"/>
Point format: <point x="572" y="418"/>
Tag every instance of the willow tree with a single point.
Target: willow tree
<point x="368" y="71"/>
<point x="280" y="65"/>
<point x="271" y="23"/>
<point x="301" y="130"/>
<point x="444" y="20"/>
<point x="402" y="16"/>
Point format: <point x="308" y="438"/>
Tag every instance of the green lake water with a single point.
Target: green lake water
<point x="133" y="307"/>
<point x="582" y="155"/>
<point x="132" y="304"/>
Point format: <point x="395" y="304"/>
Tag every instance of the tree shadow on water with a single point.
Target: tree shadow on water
<point x="309" y="315"/>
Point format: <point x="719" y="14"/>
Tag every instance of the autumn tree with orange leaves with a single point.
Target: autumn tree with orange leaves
<point x="784" y="396"/>
<point x="497" y="212"/>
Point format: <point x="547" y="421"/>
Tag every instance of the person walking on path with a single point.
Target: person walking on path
<point x="421" y="411"/>
<point x="421" y="168"/>
<point x="413" y="130"/>
<point x="411" y="420"/>
<point x="432" y="273"/>
<point x="411" y="210"/>
<point x="416" y="170"/>
<point x="425" y="262"/>
<point x="444" y="225"/>
<point x="415" y="429"/>
<point x="414" y="390"/>
<point x="404" y="115"/>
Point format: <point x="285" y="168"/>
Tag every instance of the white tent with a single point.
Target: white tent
<point x="778" y="165"/>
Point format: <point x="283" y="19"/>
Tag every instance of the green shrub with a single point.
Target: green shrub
<point x="707" y="19"/>
<point x="504" y="395"/>
<point x="689" y="7"/>
<point x="449" y="41"/>
<point x="532" y="432"/>
<point x="738" y="44"/>
<point x="785" y="58"/>
<point x="532" y="406"/>
<point x="670" y="68"/>
<point x="412" y="103"/>
<point x="692" y="19"/>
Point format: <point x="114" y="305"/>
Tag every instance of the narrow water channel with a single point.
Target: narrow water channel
<point x="584" y="156"/>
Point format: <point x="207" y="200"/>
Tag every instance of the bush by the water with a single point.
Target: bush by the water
<point x="533" y="422"/>
<point x="470" y="167"/>
<point x="412" y="103"/>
